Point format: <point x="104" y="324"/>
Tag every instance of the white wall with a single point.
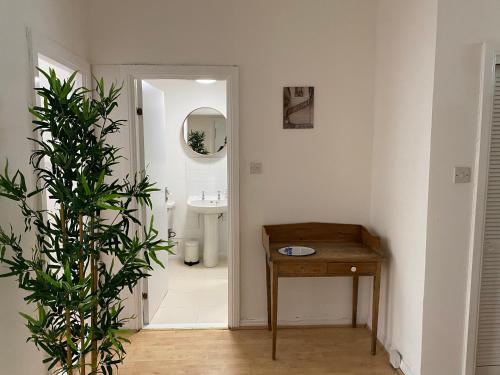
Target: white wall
<point x="64" y="22"/>
<point x="462" y="26"/>
<point x="187" y="174"/>
<point x="406" y="33"/>
<point x="322" y="174"/>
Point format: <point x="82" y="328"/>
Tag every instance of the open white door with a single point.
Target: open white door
<point x="153" y="135"/>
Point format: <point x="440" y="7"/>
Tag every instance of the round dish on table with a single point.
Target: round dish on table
<point x="296" y="251"/>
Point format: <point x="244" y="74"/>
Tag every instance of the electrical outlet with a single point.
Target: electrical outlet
<point x="255" y="167"/>
<point x="461" y="175"/>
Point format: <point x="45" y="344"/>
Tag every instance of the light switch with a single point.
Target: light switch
<point x="255" y="167"/>
<point x="461" y="175"/>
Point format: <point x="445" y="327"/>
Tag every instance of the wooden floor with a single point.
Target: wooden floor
<point x="315" y="351"/>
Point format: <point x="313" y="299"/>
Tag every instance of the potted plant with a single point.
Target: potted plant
<point x="87" y="250"/>
<point x="196" y="140"/>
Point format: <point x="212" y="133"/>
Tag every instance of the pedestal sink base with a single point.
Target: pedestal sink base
<point x="210" y="208"/>
<point x="210" y="240"/>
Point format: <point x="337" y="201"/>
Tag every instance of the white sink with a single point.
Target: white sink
<point x="210" y="208"/>
<point x="208" y="205"/>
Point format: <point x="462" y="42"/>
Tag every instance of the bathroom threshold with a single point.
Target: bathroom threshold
<point x="174" y="326"/>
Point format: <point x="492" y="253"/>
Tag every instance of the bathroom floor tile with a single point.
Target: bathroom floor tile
<point x="216" y="295"/>
<point x="213" y="314"/>
<point x="196" y="294"/>
<point x="175" y="315"/>
<point x="179" y="299"/>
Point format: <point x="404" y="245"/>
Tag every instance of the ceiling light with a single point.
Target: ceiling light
<point x="206" y="81"/>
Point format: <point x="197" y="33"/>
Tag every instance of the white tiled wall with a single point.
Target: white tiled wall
<point x="207" y="174"/>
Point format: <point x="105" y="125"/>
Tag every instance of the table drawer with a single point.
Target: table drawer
<point x="302" y="269"/>
<point x="352" y="268"/>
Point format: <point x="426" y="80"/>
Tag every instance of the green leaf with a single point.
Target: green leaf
<point x="41" y="313"/>
<point x="101" y="179"/>
<point x="67" y="272"/>
<point x="28" y="318"/>
<point x="109" y="207"/>
<point x="153" y="256"/>
<point x="71" y="343"/>
<point x="85" y="185"/>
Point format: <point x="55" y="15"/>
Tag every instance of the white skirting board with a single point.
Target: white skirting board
<point x="405" y="369"/>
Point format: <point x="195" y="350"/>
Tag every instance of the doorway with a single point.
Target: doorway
<point x="192" y="291"/>
<point x="184" y="141"/>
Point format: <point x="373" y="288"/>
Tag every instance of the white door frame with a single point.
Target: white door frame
<point x="131" y="74"/>
<point x="490" y="57"/>
<point x="40" y="45"/>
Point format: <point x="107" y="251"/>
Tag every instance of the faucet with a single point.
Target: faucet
<point x="203" y="195"/>
<point x="218" y="195"/>
<point x="167" y="193"/>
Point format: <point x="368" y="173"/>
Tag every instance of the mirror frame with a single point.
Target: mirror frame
<point x="185" y="141"/>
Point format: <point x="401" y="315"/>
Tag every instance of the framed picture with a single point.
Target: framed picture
<point x="298" y="107"/>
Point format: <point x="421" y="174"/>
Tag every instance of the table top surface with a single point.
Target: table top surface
<point x="326" y="251"/>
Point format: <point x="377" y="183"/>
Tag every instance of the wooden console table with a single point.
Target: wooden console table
<point x="341" y="250"/>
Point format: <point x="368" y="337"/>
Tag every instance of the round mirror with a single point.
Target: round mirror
<point x="204" y="131"/>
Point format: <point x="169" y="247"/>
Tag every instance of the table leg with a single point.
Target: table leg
<point x="376" y="297"/>
<point x="268" y="290"/>
<point x="355" y="283"/>
<point x="274" y="307"/>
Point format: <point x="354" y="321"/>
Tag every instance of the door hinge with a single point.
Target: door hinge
<point x="144" y="295"/>
<point x="139" y="111"/>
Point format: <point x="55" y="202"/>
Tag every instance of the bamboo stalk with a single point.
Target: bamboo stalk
<point x="69" y="354"/>
<point x="81" y="271"/>
<point x="94" y="314"/>
<point x="93" y="323"/>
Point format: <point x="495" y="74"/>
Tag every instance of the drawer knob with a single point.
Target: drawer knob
<point x="353" y="269"/>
